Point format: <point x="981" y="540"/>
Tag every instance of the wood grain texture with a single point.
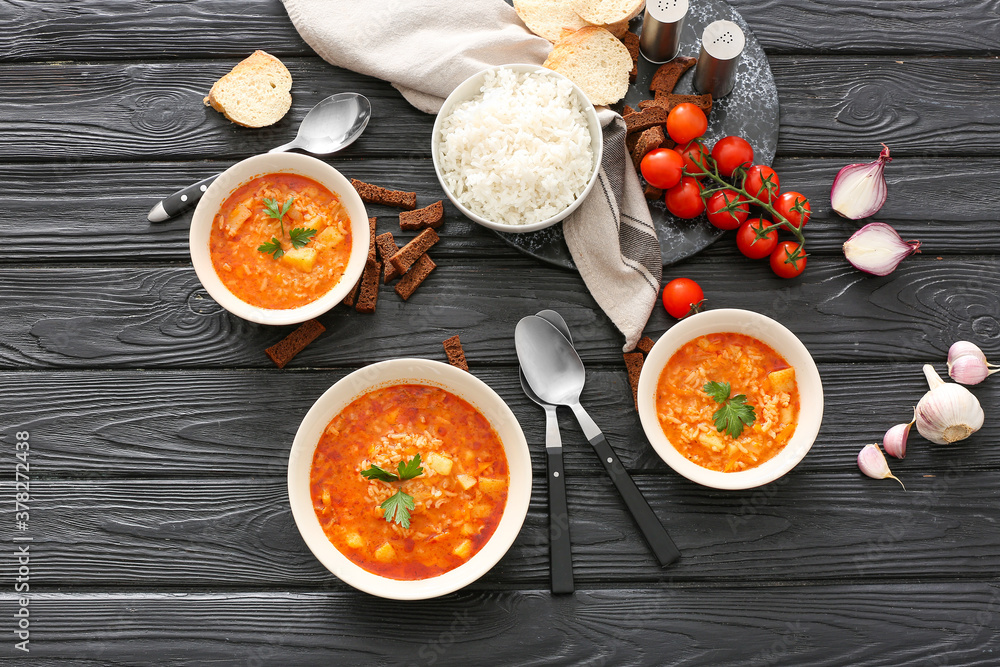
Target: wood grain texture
<point x="191" y="534"/>
<point x="807" y="626"/>
<point x="928" y="200"/>
<point x="829" y="106"/>
<point x="170" y="424"/>
<point x="160" y="317"/>
<point x="104" y="29"/>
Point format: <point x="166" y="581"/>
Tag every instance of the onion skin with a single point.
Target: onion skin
<point x="859" y="189"/>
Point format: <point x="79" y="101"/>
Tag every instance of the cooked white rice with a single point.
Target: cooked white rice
<point x="518" y="152"/>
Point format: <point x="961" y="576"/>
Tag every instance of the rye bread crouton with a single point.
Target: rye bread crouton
<point x="455" y="353"/>
<point x="375" y="194"/>
<point x="387" y="248"/>
<point x="648" y="140"/>
<point x="667" y="74"/>
<point x="409" y="253"/>
<point x="285" y="350"/>
<point x="429" y="216"/>
<point x="409" y="283"/>
<point x="368" y="294"/>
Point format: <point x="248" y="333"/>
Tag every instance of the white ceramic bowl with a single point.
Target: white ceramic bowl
<point x="409" y="371"/>
<point x="469" y="89"/>
<point x="247" y="170"/>
<point x="764" y="329"/>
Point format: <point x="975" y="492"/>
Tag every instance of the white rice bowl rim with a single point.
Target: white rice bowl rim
<point x="469" y="89"/>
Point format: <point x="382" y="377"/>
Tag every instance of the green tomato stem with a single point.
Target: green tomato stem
<point x="778" y="219"/>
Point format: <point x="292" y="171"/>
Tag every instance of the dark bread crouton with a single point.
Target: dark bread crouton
<point x="430" y="216"/>
<point x="409" y="283"/>
<point x="374" y="194"/>
<point x="285" y="350"/>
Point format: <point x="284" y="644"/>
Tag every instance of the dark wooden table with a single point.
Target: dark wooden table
<point x="159" y="432"/>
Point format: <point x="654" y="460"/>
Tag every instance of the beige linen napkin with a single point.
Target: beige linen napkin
<point x="425" y="48"/>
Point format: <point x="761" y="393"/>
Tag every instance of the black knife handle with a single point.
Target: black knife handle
<point x="185" y="199"/>
<point x="656" y="535"/>
<point x="560" y="554"/>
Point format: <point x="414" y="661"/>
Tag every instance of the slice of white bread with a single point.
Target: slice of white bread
<point x="595" y="60"/>
<point x="607" y="12"/>
<point x="255" y="93"/>
<point x="547" y="18"/>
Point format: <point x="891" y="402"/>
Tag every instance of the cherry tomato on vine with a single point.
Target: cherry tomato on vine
<point x="730" y="153"/>
<point x="694" y="155"/>
<point x="686" y="122"/>
<point x="795" y="207"/>
<point x="662" y="168"/>
<point x="682" y="297"/>
<point x="732" y="218"/>
<point x="763" y="183"/>
<point x="684" y="199"/>
<point x="788" y="259"/>
<point x="757" y="238"/>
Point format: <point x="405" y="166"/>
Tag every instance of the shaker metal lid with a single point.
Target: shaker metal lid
<point x="667" y="11"/>
<point x="723" y="40"/>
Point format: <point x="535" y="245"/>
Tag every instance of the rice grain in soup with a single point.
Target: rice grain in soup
<point x="520" y="151"/>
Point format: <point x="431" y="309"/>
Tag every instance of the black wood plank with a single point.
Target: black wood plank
<point x="829" y="106"/>
<point x="190" y="534"/>
<point x="809" y="626"/>
<point x="104" y="29"/>
<point x="85" y="211"/>
<point x="209" y="424"/>
<point x="97" y="317"/>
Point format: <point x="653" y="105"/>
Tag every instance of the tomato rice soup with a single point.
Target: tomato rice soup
<point x="752" y="368"/>
<point x="300" y="275"/>
<point x="459" y="498"/>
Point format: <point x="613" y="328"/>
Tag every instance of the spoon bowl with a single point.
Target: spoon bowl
<point x="332" y="125"/>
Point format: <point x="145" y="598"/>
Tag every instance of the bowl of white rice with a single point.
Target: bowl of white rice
<point x="517" y="147"/>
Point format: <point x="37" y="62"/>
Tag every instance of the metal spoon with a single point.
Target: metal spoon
<point x="560" y="551"/>
<point x="330" y="126"/>
<point x="555" y="372"/>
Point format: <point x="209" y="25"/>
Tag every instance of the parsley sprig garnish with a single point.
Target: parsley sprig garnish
<point x="299" y="236"/>
<point x="734" y="412"/>
<point x="397" y="506"/>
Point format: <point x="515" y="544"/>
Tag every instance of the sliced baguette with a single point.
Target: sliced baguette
<point x="548" y="18"/>
<point x="255" y="93"/>
<point x="607" y="12"/>
<point x="595" y="60"/>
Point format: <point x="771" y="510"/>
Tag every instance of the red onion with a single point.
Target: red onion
<point x="859" y="190"/>
<point x="876" y="248"/>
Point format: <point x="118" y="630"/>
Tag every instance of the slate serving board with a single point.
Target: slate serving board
<point x="750" y="111"/>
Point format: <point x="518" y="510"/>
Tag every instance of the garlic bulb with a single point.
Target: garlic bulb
<point x="948" y="412"/>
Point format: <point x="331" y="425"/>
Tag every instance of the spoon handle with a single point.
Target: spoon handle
<point x="560" y="552"/>
<point x="180" y="201"/>
<point x="656" y="535"/>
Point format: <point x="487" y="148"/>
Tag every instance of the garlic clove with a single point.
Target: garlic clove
<point x="872" y="462"/>
<point x="948" y="412"/>
<point x="895" y="438"/>
<point x="968" y="369"/>
<point x="962" y="348"/>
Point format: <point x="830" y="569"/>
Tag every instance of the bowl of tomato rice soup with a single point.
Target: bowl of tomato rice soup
<point x="730" y="399"/>
<point x="279" y="238"/>
<point x="409" y="479"/>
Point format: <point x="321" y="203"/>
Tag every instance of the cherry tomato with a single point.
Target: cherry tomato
<point x="730" y="153"/>
<point x="795" y="207"/>
<point x="788" y="259"/>
<point x="662" y="168"/>
<point x="682" y="297"/>
<point x="694" y="155"/>
<point x="757" y="238"/>
<point x="762" y="183"/>
<point x="727" y="219"/>
<point x="686" y="122"/>
<point x="684" y="199"/>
